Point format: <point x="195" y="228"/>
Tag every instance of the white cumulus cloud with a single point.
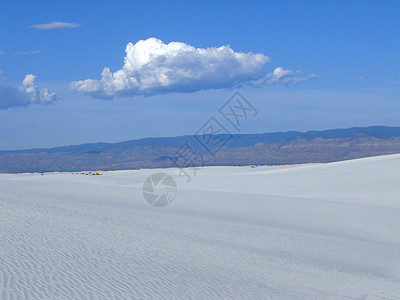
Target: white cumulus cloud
<point x="28" y="93"/>
<point x="55" y="25"/>
<point x="152" y="67"/>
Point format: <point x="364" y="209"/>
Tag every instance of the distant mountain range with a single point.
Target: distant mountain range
<point x="241" y="149"/>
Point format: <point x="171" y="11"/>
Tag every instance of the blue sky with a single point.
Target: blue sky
<point x="347" y="53"/>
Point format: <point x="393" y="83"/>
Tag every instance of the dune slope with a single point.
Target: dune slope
<point x="316" y="231"/>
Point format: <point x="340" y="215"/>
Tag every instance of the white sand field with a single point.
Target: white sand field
<point x="318" y="231"/>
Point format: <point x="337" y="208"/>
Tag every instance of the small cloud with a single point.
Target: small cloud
<point x="28" y="93"/>
<point x="2" y="53"/>
<point x="55" y="25"/>
<point x="27" y="52"/>
<point x="280" y="75"/>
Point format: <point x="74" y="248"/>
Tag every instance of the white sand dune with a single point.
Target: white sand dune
<point x="318" y="231"/>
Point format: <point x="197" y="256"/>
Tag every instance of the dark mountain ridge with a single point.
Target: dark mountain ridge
<point x="242" y="149"/>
